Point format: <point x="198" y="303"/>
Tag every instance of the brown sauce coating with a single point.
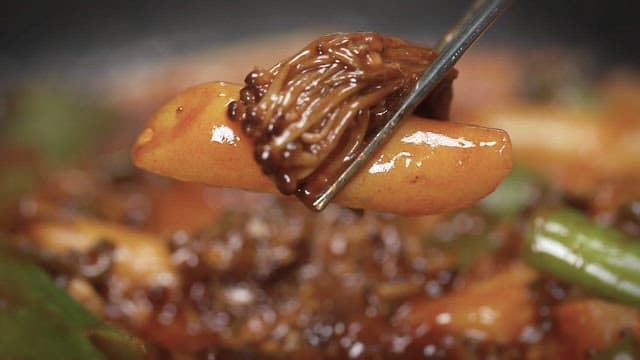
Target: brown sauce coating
<point x="311" y="114"/>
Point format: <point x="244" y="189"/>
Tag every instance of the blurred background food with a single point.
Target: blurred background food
<point x="197" y="271"/>
<point x="133" y="56"/>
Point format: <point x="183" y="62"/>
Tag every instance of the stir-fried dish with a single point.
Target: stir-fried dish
<point x="305" y="120"/>
<point x="99" y="259"/>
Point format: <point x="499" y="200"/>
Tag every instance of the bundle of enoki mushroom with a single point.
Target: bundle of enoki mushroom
<point x="311" y="114"/>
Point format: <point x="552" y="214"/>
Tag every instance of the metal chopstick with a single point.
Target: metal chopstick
<point x="451" y="47"/>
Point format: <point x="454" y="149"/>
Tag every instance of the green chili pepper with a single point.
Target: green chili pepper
<point x="40" y="321"/>
<point x="600" y="259"/>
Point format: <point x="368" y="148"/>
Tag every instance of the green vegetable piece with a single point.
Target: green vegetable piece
<point x="466" y="248"/>
<point x="626" y="348"/>
<point x="115" y="344"/>
<point x="600" y="259"/>
<point x="519" y="190"/>
<point x="481" y="236"/>
<point x="60" y="125"/>
<point x="40" y="321"/>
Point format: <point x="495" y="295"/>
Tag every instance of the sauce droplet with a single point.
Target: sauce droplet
<point x="180" y="109"/>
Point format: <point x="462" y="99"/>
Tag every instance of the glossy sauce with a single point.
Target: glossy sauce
<point x="432" y="160"/>
<point x="311" y="115"/>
